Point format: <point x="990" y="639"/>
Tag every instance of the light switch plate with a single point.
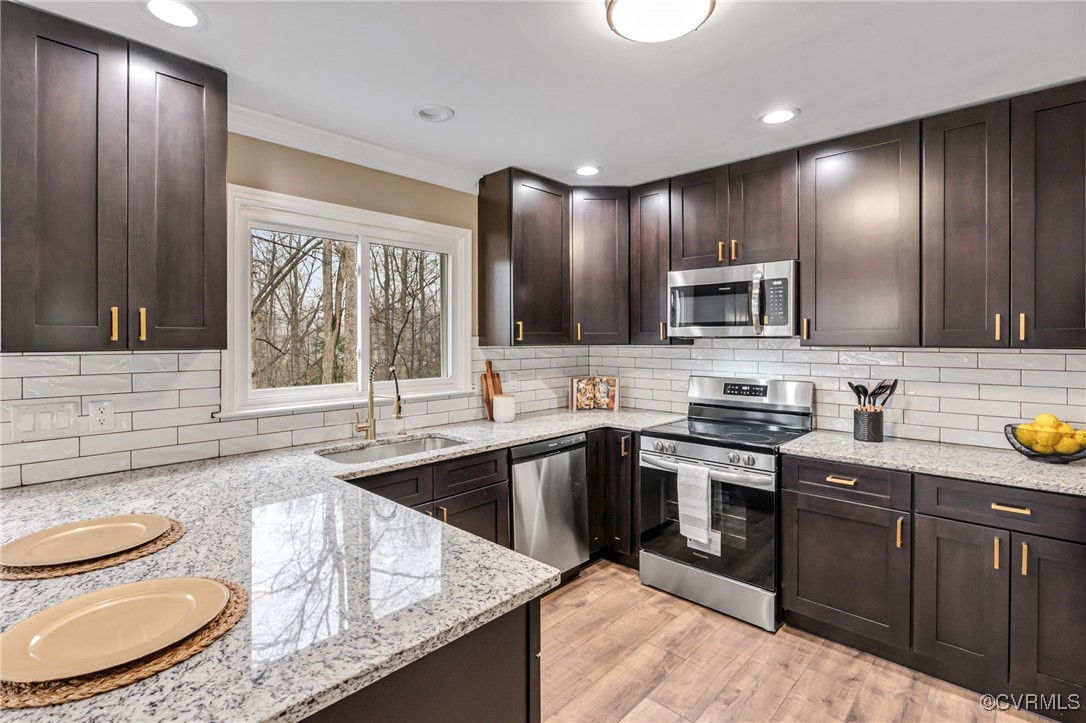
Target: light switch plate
<point x="43" y="420"/>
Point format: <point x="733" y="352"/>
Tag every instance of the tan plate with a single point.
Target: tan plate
<point x="83" y="540"/>
<point x="109" y="627"/>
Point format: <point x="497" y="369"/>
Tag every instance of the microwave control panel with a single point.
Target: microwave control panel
<point x="776" y="302"/>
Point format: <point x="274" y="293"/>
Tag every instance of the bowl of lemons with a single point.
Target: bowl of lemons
<point x="1048" y="439"/>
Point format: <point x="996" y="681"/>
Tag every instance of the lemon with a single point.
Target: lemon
<point x="1042" y="449"/>
<point x="1068" y="445"/>
<point x="1046" y="420"/>
<point x="1048" y="437"/>
<point x="1026" y="434"/>
<point x="1080" y="437"/>
<point x="1065" y="428"/>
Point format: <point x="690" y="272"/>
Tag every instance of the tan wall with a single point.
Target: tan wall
<point x="271" y="167"/>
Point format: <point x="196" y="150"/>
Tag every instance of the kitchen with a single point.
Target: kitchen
<point x="761" y="399"/>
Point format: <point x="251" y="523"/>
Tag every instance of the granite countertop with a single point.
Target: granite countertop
<point x="997" y="466"/>
<point x="346" y="587"/>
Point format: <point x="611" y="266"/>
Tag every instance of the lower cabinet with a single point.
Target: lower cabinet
<point x="596" y="456"/>
<point x="483" y="512"/>
<point x="619" y="492"/>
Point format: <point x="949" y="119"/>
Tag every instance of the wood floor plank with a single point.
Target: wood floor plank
<point x="648" y="711"/>
<point x="681" y="635"/>
<point x="592" y="583"/>
<point x="947" y="702"/>
<point x="890" y="692"/>
<point x="827" y="687"/>
<point x="690" y="688"/>
<point x="621" y="688"/>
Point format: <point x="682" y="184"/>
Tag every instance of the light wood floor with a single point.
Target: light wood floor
<point x="616" y="650"/>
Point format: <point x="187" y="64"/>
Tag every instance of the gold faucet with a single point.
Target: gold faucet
<point x="370" y="425"/>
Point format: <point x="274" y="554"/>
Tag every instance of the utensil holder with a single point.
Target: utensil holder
<point x="867" y="426"/>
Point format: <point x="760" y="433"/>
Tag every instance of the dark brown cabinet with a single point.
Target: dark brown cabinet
<point x="130" y="143"/>
<point x="966" y="227"/>
<point x="483" y="512"/>
<point x="600" y="241"/>
<point x="1048" y="218"/>
<point x="64" y="207"/>
<point x="619" y="493"/>
<point x="650" y="234"/>
<point x="763" y="213"/>
<point x="176" y="202"/>
<point x="524" y="260"/>
<point x="412" y="487"/>
<point x="699" y="219"/>
<point x="859" y="239"/>
<point x="596" y="461"/>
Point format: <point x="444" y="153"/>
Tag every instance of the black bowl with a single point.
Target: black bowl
<point x="1054" y="457"/>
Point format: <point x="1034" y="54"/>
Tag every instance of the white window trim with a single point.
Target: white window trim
<point x="250" y="205"/>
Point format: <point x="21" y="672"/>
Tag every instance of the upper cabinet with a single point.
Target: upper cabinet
<point x="176" y="202"/>
<point x="966" y="224"/>
<point x="524" y="255"/>
<point x="699" y="220"/>
<point x="859" y="239"/>
<point x="114" y="204"/>
<point x="600" y="241"/>
<point x="649" y="244"/>
<point x="1048" y="218"/>
<point x="763" y="214"/>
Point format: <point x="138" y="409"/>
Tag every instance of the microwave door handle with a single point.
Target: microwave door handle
<point x="717" y="475"/>
<point x="756" y="302"/>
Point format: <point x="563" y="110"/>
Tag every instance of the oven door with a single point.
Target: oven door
<point x="743" y="521"/>
<point x="739" y="301"/>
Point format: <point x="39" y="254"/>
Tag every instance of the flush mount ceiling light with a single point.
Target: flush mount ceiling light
<point x="433" y="113"/>
<point x="654" y="21"/>
<point x="588" y="170"/>
<point x="174" y="12"/>
<point x="782" y="115"/>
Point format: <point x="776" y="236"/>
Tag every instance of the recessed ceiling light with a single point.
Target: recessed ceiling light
<point x="433" y="113"/>
<point x="782" y="115"/>
<point x="588" y="170"/>
<point x="174" y="12"/>
<point x="654" y="21"/>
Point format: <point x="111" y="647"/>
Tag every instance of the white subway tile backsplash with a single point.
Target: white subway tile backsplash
<point x="321" y="434"/>
<point x="295" y="421"/>
<point x="11" y="388"/>
<point x="928" y="389"/>
<point x="127" y="441"/>
<point x="199" y="397"/>
<point x="199" y="361"/>
<point x="973" y="406"/>
<point x="216" y="430"/>
<point x="134" y="402"/>
<point x="39" y="451"/>
<point x="38" y="366"/>
<point x="1070" y="380"/>
<point x="877" y="358"/>
<point x="75" y="386"/>
<point x="940" y="359"/>
<point x="80" y="467"/>
<point x="174" y="380"/>
<point x="981" y="376"/>
<point x="10" y="477"/>
<point x="255" y="443"/>
<point x="1025" y="360"/>
<point x="127" y="363"/>
<point x="940" y="419"/>
<point x="1039" y="395"/>
<point x="1072" y="414"/>
<point x="172" y="417"/>
<point x="971" y="437"/>
<point x="174" y="455"/>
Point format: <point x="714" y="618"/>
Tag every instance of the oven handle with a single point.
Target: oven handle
<point x="756" y="302"/>
<point x="755" y="481"/>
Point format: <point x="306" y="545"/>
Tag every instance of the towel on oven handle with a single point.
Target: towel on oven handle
<point x="694" y="502"/>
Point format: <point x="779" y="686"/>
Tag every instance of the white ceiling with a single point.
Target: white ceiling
<point x="548" y="87"/>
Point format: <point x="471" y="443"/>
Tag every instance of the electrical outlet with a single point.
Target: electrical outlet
<point x="101" y="416"/>
<point x="42" y="420"/>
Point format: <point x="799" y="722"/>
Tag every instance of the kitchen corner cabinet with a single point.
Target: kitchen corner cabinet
<point x="859" y="239"/>
<point x="763" y="213"/>
<point x="600" y="246"/>
<point x="130" y="143"/>
<point x="524" y="260"/>
<point x="1048" y="218"/>
<point x="650" y="234"/>
<point x="966" y="227"/>
<point x="699" y="220"/>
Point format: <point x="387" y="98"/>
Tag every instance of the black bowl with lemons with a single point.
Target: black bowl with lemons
<point x="1048" y="439"/>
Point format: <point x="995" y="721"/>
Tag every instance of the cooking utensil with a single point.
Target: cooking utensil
<point x="889" y="393"/>
<point x="877" y="392"/>
<point x="491" y="384"/>
<point x="859" y="398"/>
<point x="864" y="394"/>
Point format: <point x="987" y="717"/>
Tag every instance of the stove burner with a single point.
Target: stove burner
<point x="750" y="437"/>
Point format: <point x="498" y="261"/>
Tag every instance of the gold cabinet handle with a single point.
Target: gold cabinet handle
<point x="735" y="250"/>
<point x="720" y="251"/>
<point x="999" y="327"/>
<point x="900" y="530"/>
<point x="807" y="329"/>
<point x="578" y="331"/>
<point x="847" y="481"/>
<point x="1007" y="508"/>
<point x="1022" y="326"/>
<point x="430" y="513"/>
<point x="663" y="330"/>
<point x="995" y="553"/>
<point x="143" y="323"/>
<point x="444" y="513"/>
<point x="114" y="324"/>
<point x="1025" y="559"/>
<point x="520" y="331"/>
<point x="622" y="447"/>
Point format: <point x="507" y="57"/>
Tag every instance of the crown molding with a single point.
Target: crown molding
<point x="263" y="126"/>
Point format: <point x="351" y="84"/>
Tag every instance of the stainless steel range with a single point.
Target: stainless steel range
<point x="709" y="494"/>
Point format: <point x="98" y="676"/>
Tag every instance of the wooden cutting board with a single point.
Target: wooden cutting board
<point x="491" y="384"/>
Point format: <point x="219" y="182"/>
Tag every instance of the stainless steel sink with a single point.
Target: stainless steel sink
<point x="387" y="450"/>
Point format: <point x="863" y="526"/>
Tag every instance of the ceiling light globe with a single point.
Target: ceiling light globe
<point x="656" y="21"/>
<point x="174" y="12"/>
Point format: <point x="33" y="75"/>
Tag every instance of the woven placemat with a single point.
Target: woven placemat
<point x="33" y="695"/>
<point x="41" y="572"/>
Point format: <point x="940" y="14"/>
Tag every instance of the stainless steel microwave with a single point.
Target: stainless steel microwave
<point x="741" y="300"/>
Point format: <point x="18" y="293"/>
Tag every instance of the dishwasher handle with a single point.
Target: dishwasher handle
<point x="547" y="447"/>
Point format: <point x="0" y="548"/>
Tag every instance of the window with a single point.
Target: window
<point x="321" y="292"/>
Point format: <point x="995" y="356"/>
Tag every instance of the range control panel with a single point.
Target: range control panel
<point x="746" y="390"/>
<point x="776" y="302"/>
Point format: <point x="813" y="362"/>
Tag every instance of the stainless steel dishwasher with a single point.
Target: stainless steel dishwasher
<point x="550" y="501"/>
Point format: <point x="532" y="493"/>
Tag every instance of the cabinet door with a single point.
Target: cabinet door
<point x="966" y="223"/>
<point x="859" y="239"/>
<point x="1048" y="628"/>
<point x="619" y="492"/>
<point x="596" y="457"/>
<point x="1048" y="218"/>
<point x="483" y="512"/>
<point x="847" y="565"/>
<point x="763" y="214"/>
<point x="177" y="202"/>
<point x="650" y="233"/>
<point x="699" y="219"/>
<point x="961" y="596"/>
<point x="601" y="265"/>
<point x="467" y="473"/>
<point x="64" y="212"/>
<point x="411" y="487"/>
<point x="540" y="249"/>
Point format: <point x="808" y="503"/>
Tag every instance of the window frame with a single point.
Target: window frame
<point x="251" y="207"/>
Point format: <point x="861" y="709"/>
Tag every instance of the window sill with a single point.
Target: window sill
<point x="331" y="406"/>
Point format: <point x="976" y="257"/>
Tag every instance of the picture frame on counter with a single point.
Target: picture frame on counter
<point x="593" y="393"/>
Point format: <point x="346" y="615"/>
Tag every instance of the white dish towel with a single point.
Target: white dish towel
<point x="694" y="492"/>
